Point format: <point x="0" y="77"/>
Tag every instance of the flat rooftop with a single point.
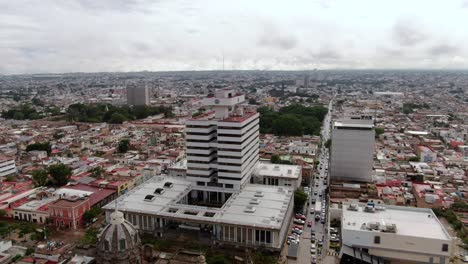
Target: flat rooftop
<point x="255" y="205"/>
<point x="354" y="123"/>
<point x="278" y="170"/>
<point x="409" y="221"/>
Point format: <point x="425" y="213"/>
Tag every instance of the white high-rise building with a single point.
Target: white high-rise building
<point x="222" y="145"/>
<point x="138" y="94"/>
<point x="352" y="150"/>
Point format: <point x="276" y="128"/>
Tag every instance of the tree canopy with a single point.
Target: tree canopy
<point x="39" y="177"/>
<point x="60" y="174"/>
<point x="44" y="146"/>
<point x="379" y="131"/>
<point x="113" y="114"/>
<point x="124" y="145"/>
<point x="292" y="120"/>
<point x="22" y="112"/>
<point x="300" y="198"/>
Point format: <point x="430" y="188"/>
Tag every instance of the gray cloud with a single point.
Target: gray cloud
<point x="408" y="33"/>
<point x="444" y="49"/>
<point x="464" y="4"/>
<point x="272" y="36"/>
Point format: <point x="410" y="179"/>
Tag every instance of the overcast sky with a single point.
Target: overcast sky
<point x="44" y="36"/>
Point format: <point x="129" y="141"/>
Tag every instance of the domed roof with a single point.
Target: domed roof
<point x="119" y="235"/>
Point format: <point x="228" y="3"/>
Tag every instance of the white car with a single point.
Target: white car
<point x="299" y="221"/>
<point x="313" y="248"/>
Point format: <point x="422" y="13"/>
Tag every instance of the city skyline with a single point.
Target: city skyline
<point x="110" y="36"/>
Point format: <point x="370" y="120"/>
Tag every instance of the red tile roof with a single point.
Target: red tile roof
<point x="98" y="195"/>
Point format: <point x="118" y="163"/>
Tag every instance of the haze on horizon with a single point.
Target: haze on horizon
<point x="54" y="36"/>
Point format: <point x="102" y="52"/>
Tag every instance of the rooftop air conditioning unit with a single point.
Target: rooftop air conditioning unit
<point x="353" y="207"/>
<point x="390" y="228"/>
<point x="373" y="226"/>
<point x="369" y="209"/>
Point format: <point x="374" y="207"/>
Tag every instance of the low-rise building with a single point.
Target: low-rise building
<point x="394" y="234"/>
<point x="7" y="166"/>
<point x="277" y="175"/>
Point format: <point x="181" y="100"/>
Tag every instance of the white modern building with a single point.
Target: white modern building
<point x="277" y="175"/>
<point x="256" y="216"/>
<point x="393" y="234"/>
<point x="138" y="94"/>
<point x="215" y="200"/>
<point x="7" y="166"/>
<point x="222" y="145"/>
<point x="352" y="150"/>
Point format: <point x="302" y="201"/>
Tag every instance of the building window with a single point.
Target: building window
<point x="377" y="240"/>
<point x="122" y="244"/>
<point x="229" y="186"/>
<point x="445" y="247"/>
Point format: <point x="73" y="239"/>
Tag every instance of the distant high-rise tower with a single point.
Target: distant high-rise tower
<point x="352" y="150"/>
<point x="138" y="94"/>
<point x="223" y="145"/>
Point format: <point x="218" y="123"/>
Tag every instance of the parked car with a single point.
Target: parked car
<point x="313" y="248"/>
<point x="309" y="224"/>
<point x="301" y="216"/>
<point x="298" y="226"/>
<point x="299" y="221"/>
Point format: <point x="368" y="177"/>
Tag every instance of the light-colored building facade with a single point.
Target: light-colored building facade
<point x="7" y="166"/>
<point x="393" y="234"/>
<point x="215" y="199"/>
<point x="223" y="145"/>
<point x="138" y="94"/>
<point x="277" y="175"/>
<point x="352" y="150"/>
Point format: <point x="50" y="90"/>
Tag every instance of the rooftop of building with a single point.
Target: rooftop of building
<point x="408" y="221"/>
<point x="278" y="170"/>
<point x="255" y="205"/>
<point x="354" y="123"/>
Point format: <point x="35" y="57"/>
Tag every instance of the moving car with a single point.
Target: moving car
<point x="309" y="224"/>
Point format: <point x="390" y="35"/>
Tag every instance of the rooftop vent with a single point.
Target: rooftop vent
<point x="149" y="198"/>
<point x="254" y="201"/>
<point x="159" y="191"/>
<point x="168" y="185"/>
<point x="249" y="209"/>
<point x="258" y="194"/>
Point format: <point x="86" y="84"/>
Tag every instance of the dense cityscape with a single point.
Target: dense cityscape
<point x="316" y="166"/>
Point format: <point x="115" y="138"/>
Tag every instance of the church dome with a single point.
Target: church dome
<point x="119" y="241"/>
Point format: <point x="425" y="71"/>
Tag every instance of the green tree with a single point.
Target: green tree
<point x="287" y="125"/>
<point x="328" y="143"/>
<point x="379" y="131"/>
<point x="96" y="172"/>
<point x="415" y="159"/>
<point x="44" y="146"/>
<point x="275" y="159"/>
<point x="60" y="174"/>
<point x="39" y="177"/>
<point x="117" y="118"/>
<point x="89" y="215"/>
<point x="3" y="213"/>
<point x="300" y="198"/>
<point x="124" y="145"/>
<point x="218" y="259"/>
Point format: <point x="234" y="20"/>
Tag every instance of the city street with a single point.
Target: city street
<point x="318" y="194"/>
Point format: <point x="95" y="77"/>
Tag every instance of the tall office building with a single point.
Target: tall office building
<point x="222" y="145"/>
<point x="352" y="150"/>
<point x="138" y="94"/>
